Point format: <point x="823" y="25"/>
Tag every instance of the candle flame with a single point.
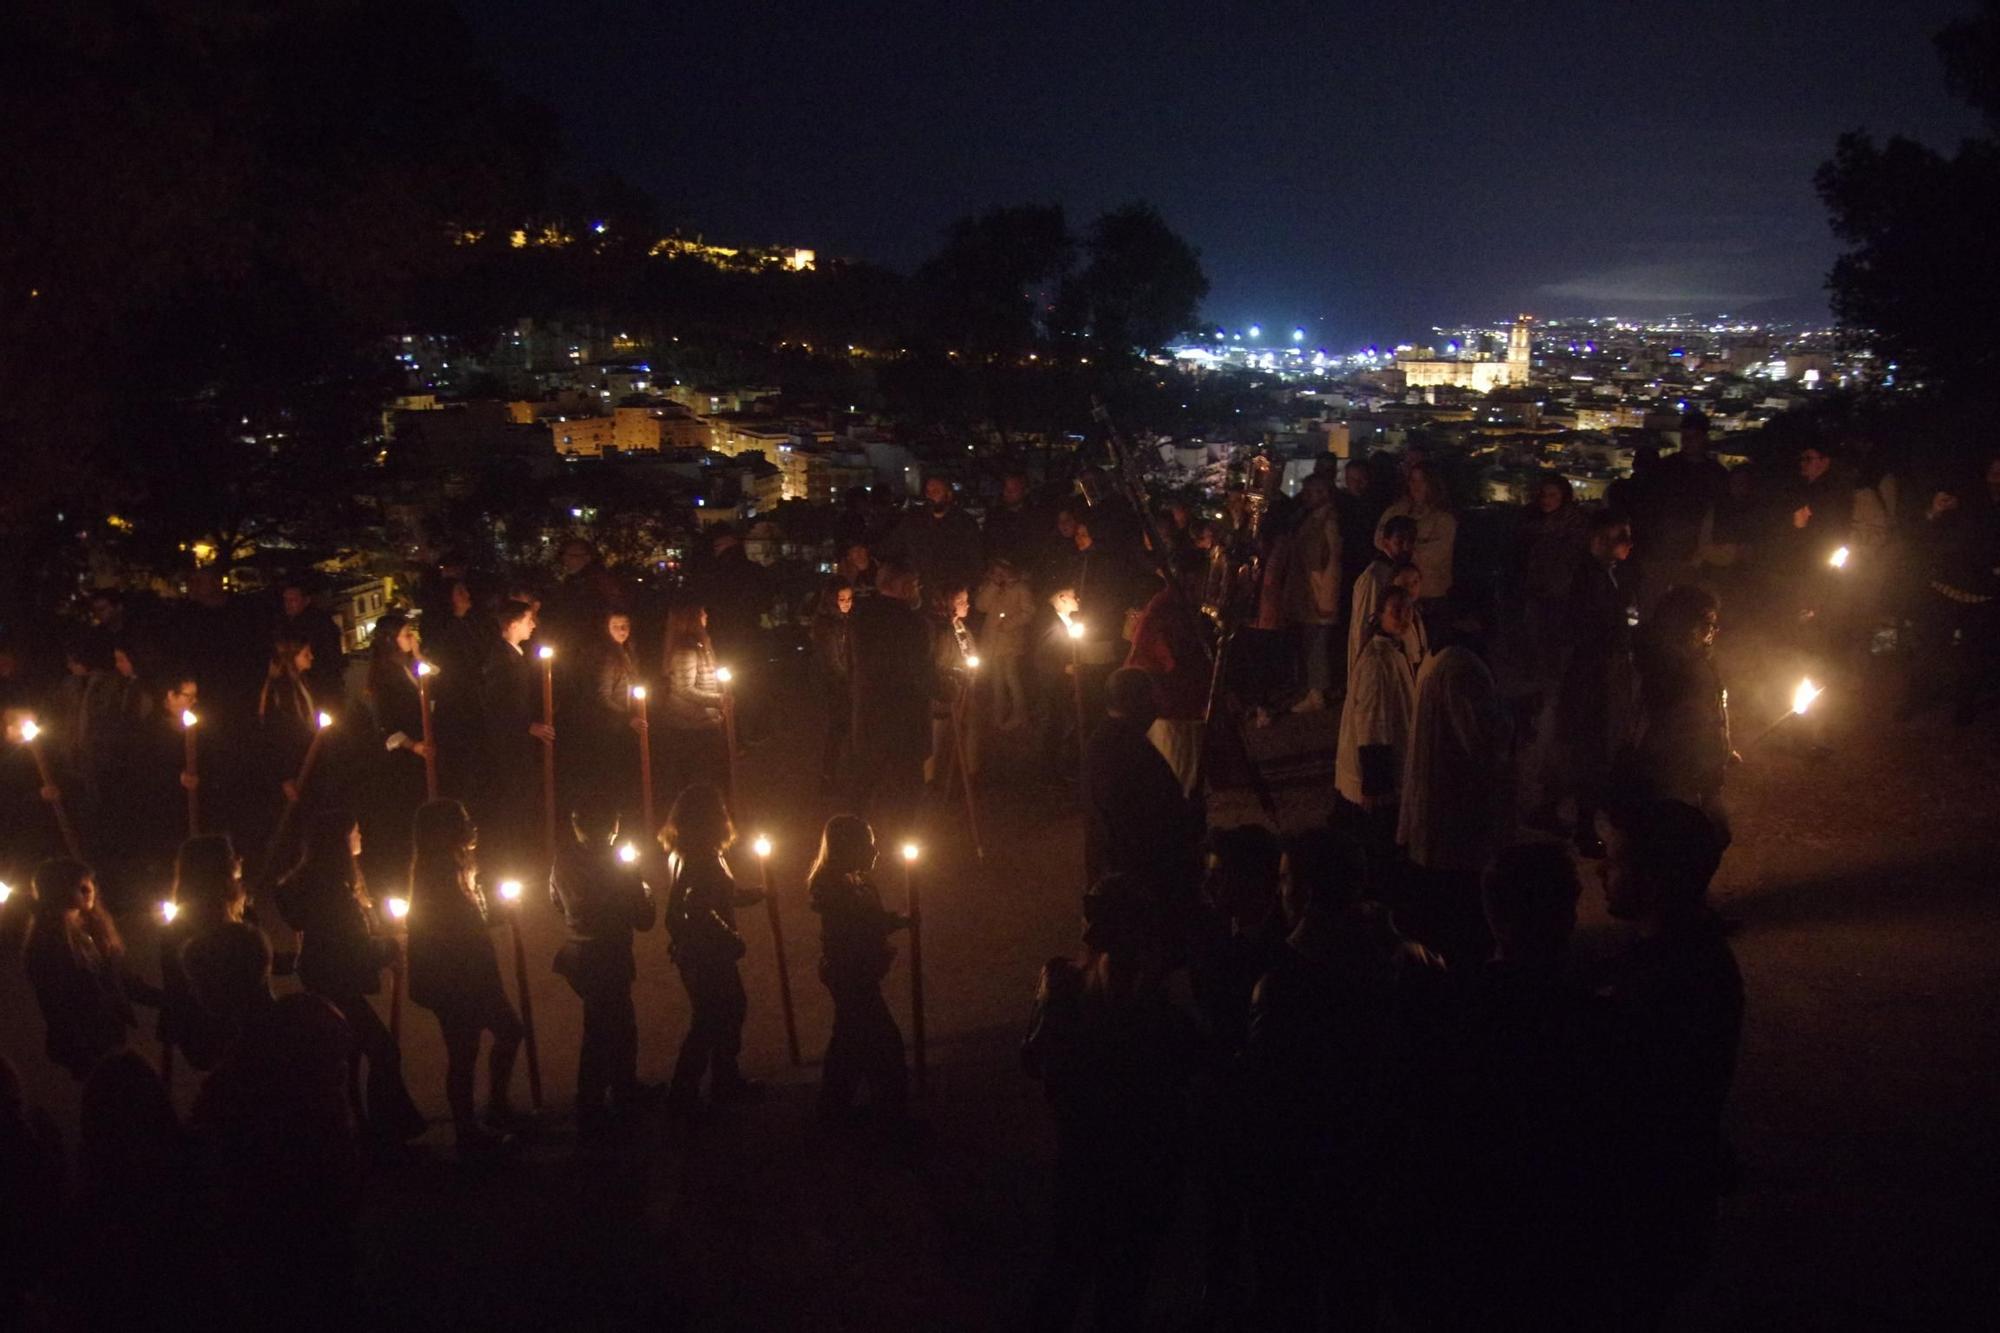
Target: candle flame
<point x="724" y="674"/>
<point x="188" y="719"/>
<point x="29" y="730"/>
<point x="1803" y="696"/>
<point x="545" y="652"/>
<point x="639" y="692"/>
<point x="398" y="907"/>
<point x="169" y="910"/>
<point x="762" y="846"/>
<point x="510" y="889"/>
<point x="909" y="851"/>
<point x="426" y="669"/>
<point x="6" y="891"/>
<point x="325" y="720"/>
<point x="972" y="661"/>
<point x="1075" y="628"/>
<point x="628" y="853"/>
<point x="1838" y="559"/>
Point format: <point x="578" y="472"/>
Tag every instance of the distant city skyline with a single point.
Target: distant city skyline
<point x="1364" y="171"/>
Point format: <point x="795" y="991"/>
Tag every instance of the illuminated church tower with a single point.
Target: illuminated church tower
<point x="1517" y="350"/>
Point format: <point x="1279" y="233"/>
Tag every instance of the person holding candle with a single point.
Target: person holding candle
<point x="690" y="706"/>
<point x="75" y="963"/>
<point x="833" y="670"/>
<point x="702" y="898"/>
<point x="1007" y="608"/>
<point x="455" y="973"/>
<point x="341" y="960"/>
<point x="397" y="703"/>
<point x="604" y="898"/>
<point x="612" y="758"/>
<point x="208" y="895"/>
<point x="511" y="696"/>
<point x="855" y="955"/>
<point x="954" y="655"/>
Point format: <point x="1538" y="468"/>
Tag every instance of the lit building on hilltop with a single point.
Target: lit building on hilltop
<point x="1479" y="374"/>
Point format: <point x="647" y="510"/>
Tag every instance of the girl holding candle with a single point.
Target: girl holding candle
<point x="75" y="962"/>
<point x="690" y="711"/>
<point x="855" y="955"/>
<point x="208" y="895"/>
<point x="399" y="719"/>
<point x="455" y="973"/>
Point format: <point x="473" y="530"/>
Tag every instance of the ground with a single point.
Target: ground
<point x="1863" y="1108"/>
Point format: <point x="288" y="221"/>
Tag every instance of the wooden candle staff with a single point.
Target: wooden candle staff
<point x="510" y="893"/>
<point x="1075" y="630"/>
<point x="191" y="770"/>
<point x="30" y="732"/>
<point x="645" y="758"/>
<point x="399" y="912"/>
<point x="914" y="907"/>
<point x="424" y="673"/>
<point x="723" y="676"/>
<point x="763" y="849"/>
<point x="267" y="875"/>
<point x="548" y="660"/>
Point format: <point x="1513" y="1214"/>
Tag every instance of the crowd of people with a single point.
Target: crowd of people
<point x="1359" y="1044"/>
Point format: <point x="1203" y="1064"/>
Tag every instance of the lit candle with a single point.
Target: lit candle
<point x="545" y="652"/>
<point x="762" y="847"/>
<point x="1803" y="696"/>
<point x="973" y="661"/>
<point x="724" y="675"/>
<point x="188" y="719"/>
<point x="910" y="851"/>
<point x="426" y="669"/>
<point x="6" y="891"/>
<point x="169" y="910"/>
<point x="1838" y="559"/>
<point x="639" y="693"/>
<point x="1075" y="628"/>
<point x="510" y="890"/>
<point x="399" y="908"/>
<point x="29" y="730"/>
<point x="628" y="854"/>
<point x="325" y="720"/>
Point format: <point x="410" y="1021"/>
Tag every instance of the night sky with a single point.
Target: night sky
<point x="1366" y="171"/>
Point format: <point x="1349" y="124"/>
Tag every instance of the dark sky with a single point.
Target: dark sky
<point x="1366" y="171"/>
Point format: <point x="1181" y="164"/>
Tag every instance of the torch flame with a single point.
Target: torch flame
<point x="510" y="889"/>
<point x="426" y="669"/>
<point x="639" y="692"/>
<point x="762" y="846"/>
<point x="188" y="719"/>
<point x="169" y="910"/>
<point x="1838" y="559"/>
<point x="724" y="674"/>
<point x="545" y="652"/>
<point x="325" y="720"/>
<point x="1075" y="628"/>
<point x="29" y="730"/>
<point x="628" y="853"/>
<point x="909" y="851"/>
<point x="398" y="907"/>
<point x="1804" y="695"/>
<point x="6" y="891"/>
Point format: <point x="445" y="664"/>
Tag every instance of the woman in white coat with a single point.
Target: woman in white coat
<point x="1375" y="730"/>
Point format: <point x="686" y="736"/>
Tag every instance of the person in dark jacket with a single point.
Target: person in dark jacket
<point x="833" y="670"/>
<point x="701" y="920"/>
<point x="610" y="752"/>
<point x="940" y="540"/>
<point x="75" y="963"/>
<point x="855" y="955"/>
<point x="1593" y="714"/>
<point x="1114" y="1057"/>
<point x="397" y="703"/>
<point x="602" y="892"/>
<point x="1668" y="1026"/>
<point x="207" y="896"/>
<point x="894" y="683"/>
<point x="455" y="973"/>
<point x="341" y="960"/>
<point x="511" y="694"/>
<point x="1683" y="751"/>
<point x="1137" y="821"/>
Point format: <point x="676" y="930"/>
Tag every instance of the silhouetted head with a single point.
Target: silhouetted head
<point x="699" y="823"/>
<point x="1130" y="694"/>
<point x="1244" y="870"/>
<point x="1530" y="894"/>
<point x="1662" y="856"/>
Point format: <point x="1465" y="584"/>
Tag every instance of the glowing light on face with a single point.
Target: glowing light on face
<point x="1803" y="696"/>
<point x="510" y="890"/>
<point x="762" y="846"/>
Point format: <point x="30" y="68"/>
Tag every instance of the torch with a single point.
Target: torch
<point x="168" y="910"/>
<point x="292" y="799"/>
<point x="548" y="660"/>
<point x="424" y="673"/>
<point x="191" y="770"/>
<point x="1802" y="699"/>
<point x="645" y="759"/>
<point x="1075" y="629"/>
<point x="510" y="893"/>
<point x="763" y="849"/>
<point x="399" y="912"/>
<point x="1838" y="559"/>
<point x="30" y="732"/>
<point x="723" y="676"/>
<point x="958" y="726"/>
<point x="914" y="907"/>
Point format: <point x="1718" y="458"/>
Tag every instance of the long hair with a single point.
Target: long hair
<point x="284" y="689"/>
<point x="699" y="823"/>
<point x="846" y="847"/>
<point x="828" y="602"/>
<point x="389" y="667"/>
<point x="207" y="881"/>
<point x="685" y="632"/>
<point x="442" y="859"/>
<point x="56" y="882"/>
